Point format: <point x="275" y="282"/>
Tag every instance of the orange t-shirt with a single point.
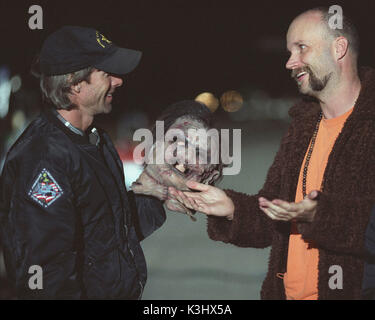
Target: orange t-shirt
<point x="301" y="278"/>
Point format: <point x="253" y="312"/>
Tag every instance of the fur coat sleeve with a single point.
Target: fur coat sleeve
<point x="250" y="226"/>
<point x="339" y="224"/>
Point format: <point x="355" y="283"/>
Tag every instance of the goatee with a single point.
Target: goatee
<point x="316" y="84"/>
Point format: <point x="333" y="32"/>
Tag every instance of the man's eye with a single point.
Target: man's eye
<point x="302" y="46"/>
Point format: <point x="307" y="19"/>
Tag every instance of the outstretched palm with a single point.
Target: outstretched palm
<point x="210" y="200"/>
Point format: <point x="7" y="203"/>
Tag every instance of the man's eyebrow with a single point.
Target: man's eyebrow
<point x="296" y="43"/>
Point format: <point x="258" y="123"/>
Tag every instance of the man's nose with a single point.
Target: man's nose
<point x="116" y="81"/>
<point x="293" y="62"/>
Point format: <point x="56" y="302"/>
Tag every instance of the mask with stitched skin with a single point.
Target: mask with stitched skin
<point x="189" y="150"/>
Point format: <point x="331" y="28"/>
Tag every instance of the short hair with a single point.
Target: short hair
<point x="55" y="89"/>
<point x="348" y="29"/>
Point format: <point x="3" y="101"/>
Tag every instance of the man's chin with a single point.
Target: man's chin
<point x="308" y="92"/>
<point x="107" y="108"/>
<point x="304" y="88"/>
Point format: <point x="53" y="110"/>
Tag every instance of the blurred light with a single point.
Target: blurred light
<point x="5" y="89"/>
<point x="209" y="100"/>
<point x="16" y="83"/>
<point x="231" y="101"/>
<point x="18" y="120"/>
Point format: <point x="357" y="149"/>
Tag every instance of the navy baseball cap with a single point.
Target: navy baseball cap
<point x="72" y="48"/>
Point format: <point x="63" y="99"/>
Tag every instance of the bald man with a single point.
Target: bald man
<point x="316" y="202"/>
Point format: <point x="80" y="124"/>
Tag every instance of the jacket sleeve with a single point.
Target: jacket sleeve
<point x="148" y="214"/>
<point x="40" y="229"/>
<point x="250" y="227"/>
<point x="368" y="283"/>
<point x="340" y="224"/>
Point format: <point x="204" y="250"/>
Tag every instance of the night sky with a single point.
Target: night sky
<point x="188" y="46"/>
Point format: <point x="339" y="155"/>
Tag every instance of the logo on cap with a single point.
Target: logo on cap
<point x="100" y="39"/>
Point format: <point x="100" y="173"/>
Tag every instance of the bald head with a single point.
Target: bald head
<point x="313" y="21"/>
<point x="319" y="18"/>
<point x="307" y="27"/>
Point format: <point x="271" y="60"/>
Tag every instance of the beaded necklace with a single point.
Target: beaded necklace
<point x="309" y="153"/>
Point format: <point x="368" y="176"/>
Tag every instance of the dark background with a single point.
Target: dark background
<point x="188" y="47"/>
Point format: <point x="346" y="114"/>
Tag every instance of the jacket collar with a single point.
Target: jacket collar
<point x="48" y="113"/>
<point x="364" y="108"/>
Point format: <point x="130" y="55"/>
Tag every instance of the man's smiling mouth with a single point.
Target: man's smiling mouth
<point x="300" y="75"/>
<point x="109" y="95"/>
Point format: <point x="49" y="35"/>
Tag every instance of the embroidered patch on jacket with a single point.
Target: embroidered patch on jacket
<point x="45" y="189"/>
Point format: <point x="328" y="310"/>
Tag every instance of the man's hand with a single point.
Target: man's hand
<point x="285" y="211"/>
<point x="148" y="186"/>
<point x="211" y="200"/>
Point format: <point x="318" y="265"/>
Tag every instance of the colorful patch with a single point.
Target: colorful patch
<point x="45" y="189"/>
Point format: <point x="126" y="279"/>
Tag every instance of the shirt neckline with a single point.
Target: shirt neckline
<point x="337" y="120"/>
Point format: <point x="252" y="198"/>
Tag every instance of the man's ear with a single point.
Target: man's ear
<point x="73" y="92"/>
<point x="341" y="45"/>
<point x="76" y="88"/>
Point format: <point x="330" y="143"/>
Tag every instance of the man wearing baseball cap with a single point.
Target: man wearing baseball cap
<point x="69" y="228"/>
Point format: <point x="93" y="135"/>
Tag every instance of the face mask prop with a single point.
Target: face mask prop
<point x="189" y="150"/>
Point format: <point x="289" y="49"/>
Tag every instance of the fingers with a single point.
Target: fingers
<point x="276" y="210"/>
<point x="195" y="204"/>
<point x="313" y="195"/>
<point x="197" y="186"/>
<point x="282" y="210"/>
<point x="275" y="207"/>
<point x="193" y="195"/>
<point x="178" y="195"/>
<point x="190" y="214"/>
<point x="172" y="190"/>
<point x="203" y="208"/>
<point x="290" y="207"/>
<point x="174" y="205"/>
<point x="135" y="186"/>
<point x="273" y="215"/>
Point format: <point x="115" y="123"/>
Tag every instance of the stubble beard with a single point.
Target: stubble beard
<point x="315" y="85"/>
<point x="107" y="107"/>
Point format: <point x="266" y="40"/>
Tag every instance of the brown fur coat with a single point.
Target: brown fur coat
<point x="343" y="208"/>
